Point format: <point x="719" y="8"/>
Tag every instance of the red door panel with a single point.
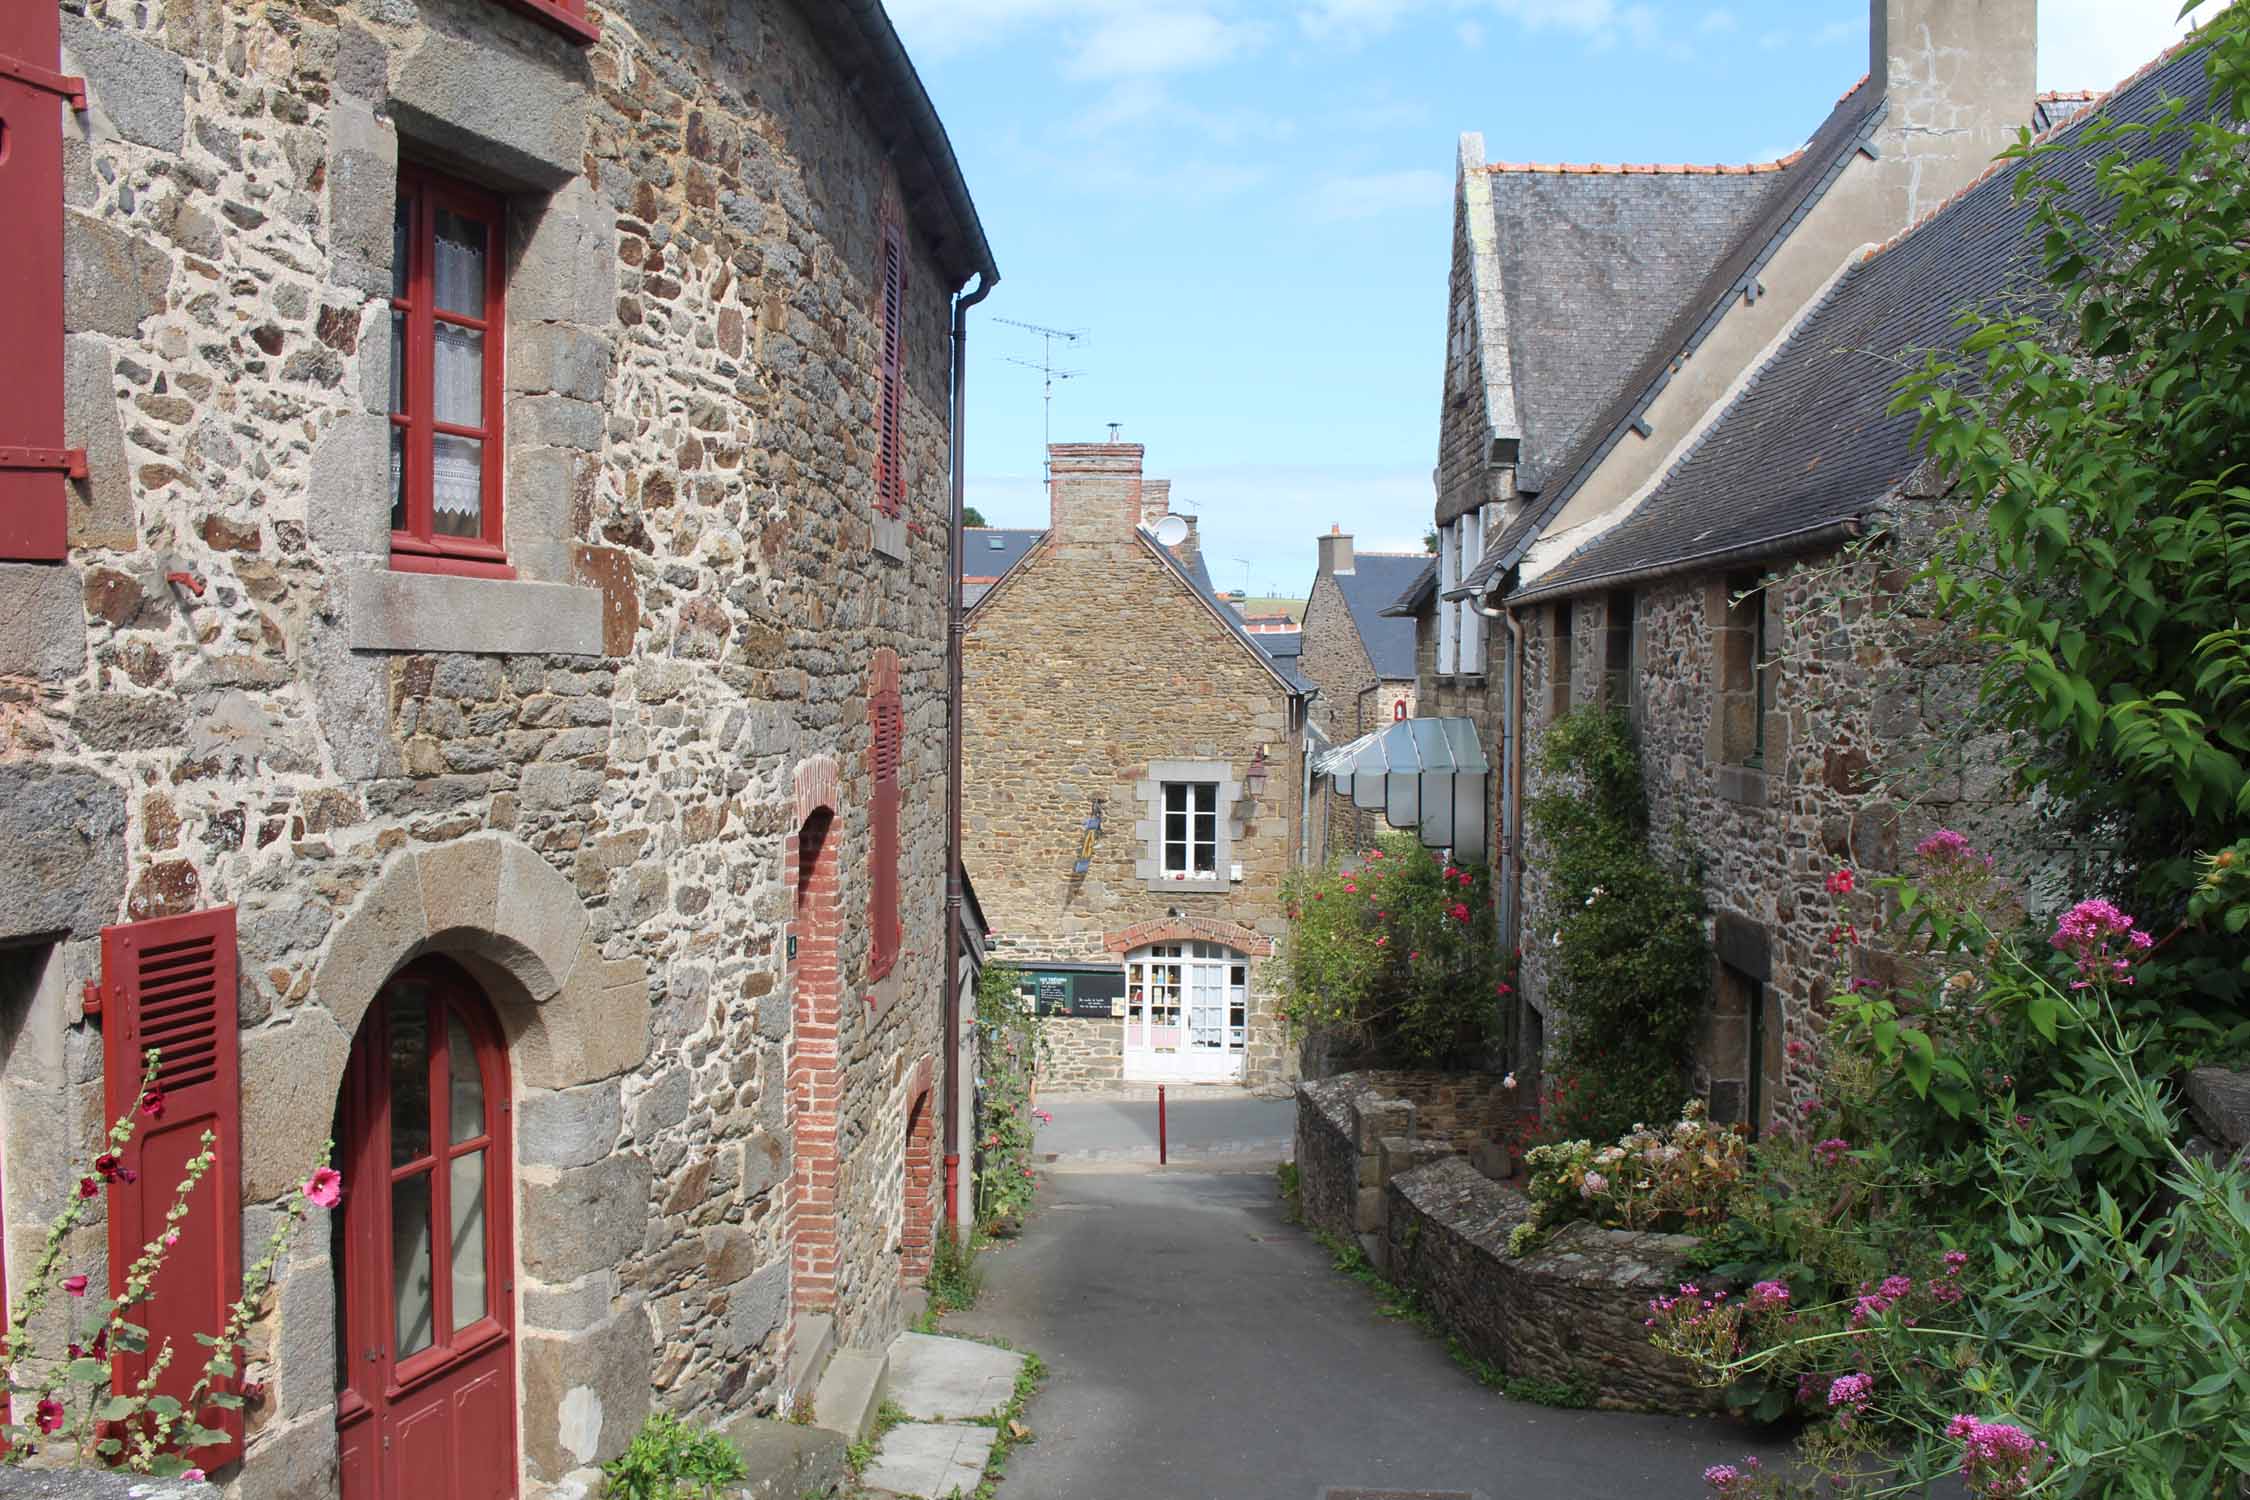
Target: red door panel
<point x="429" y="1413"/>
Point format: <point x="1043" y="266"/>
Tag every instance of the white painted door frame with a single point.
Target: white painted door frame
<point x="1186" y="1013"/>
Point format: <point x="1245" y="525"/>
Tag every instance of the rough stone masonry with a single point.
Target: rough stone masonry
<point x="581" y="782"/>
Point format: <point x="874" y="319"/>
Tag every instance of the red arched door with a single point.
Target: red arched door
<point x="426" y="1279"/>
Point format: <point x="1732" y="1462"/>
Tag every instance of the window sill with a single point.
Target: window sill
<point x="1210" y="885"/>
<point x="385" y="609"/>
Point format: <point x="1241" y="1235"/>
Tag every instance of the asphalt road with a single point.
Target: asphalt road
<point x="1202" y="1348"/>
<point x="1200" y="1123"/>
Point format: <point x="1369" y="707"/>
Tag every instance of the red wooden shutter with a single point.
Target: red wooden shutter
<point x="886" y="720"/>
<point x="890" y="464"/>
<point x="169" y="983"/>
<point x="33" y="461"/>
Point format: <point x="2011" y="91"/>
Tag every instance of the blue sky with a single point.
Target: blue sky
<point x="1246" y="207"/>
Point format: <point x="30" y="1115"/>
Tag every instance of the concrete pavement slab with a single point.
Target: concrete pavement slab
<point x="942" y="1380"/>
<point x="930" y="1459"/>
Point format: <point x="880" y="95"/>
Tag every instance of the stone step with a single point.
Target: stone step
<point x="939" y="1379"/>
<point x="816" y="1340"/>
<point x="851" y="1392"/>
<point x="787" y="1460"/>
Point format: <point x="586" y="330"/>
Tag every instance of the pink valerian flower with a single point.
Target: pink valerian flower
<point x="1848" y="1395"/>
<point x="1722" y="1477"/>
<point x="1998" y="1460"/>
<point x="1831" y="1152"/>
<point x="1955" y="1261"/>
<point x="1796" y="1048"/>
<point x="2102" y="939"/>
<point x="1947" y="849"/>
<point x="1840" y="883"/>
<point x="325" y="1189"/>
<point x="1766" y="1295"/>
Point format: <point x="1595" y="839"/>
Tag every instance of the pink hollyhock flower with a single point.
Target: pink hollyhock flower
<point x="1840" y="883"/>
<point x="193" y="1476"/>
<point x="75" y="1285"/>
<point x="152" y="1103"/>
<point x="50" y="1414"/>
<point x="1044" y="1117"/>
<point x="87" y="1187"/>
<point x="105" y="1166"/>
<point x="1351" y="890"/>
<point x="326" y="1188"/>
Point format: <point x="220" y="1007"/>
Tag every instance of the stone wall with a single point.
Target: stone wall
<point x="1863" y="758"/>
<point x="1572" y="1311"/>
<point x="620" y="733"/>
<point x="1356" y="1131"/>
<point x="1089" y="670"/>
<point x="1082" y="1053"/>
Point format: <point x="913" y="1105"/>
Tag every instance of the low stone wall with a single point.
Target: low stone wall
<point x="1357" y="1131"/>
<point x="98" y="1484"/>
<point x="1573" y="1310"/>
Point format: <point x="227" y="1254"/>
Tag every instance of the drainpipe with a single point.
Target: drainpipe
<point x="953" y="737"/>
<point x="1511" y="789"/>
<point x="1304" y="798"/>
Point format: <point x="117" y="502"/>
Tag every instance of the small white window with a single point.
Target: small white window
<point x="1191" y="829"/>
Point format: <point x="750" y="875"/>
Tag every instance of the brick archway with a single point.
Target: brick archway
<point x="1244" y="940"/>
<point x="814" y="1072"/>
<point x="918" y="1240"/>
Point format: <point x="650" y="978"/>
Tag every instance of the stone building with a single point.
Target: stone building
<point x="1361" y="659"/>
<point x="1601" y="316"/>
<point x="1134" y="788"/>
<point x="479" y="615"/>
<point x="1796" y="705"/>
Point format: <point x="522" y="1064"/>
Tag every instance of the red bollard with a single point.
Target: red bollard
<point x="1163" y="1149"/>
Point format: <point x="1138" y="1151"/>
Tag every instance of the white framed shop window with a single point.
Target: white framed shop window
<point x="1187" y="1012"/>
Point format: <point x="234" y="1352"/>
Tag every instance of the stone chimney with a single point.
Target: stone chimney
<point x="1156" y="500"/>
<point x="1094" y="493"/>
<point x="1335" y="553"/>
<point x="1190" y="550"/>
<point x="1960" y="77"/>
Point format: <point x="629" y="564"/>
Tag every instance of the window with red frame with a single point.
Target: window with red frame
<point x="886" y="722"/>
<point x="448" y="283"/>
<point x="890" y="461"/>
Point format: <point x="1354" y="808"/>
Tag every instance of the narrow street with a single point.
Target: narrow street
<point x="1201" y="1347"/>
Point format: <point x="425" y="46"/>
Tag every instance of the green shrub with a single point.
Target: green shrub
<point x="1398" y="955"/>
<point x="669" y="1460"/>
<point x="1679" y="1179"/>
<point x="1012" y="1043"/>
<point x="1628" y="964"/>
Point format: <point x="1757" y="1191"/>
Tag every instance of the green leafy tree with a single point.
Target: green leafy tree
<point x="2097" y="435"/>
<point x="971" y="516"/>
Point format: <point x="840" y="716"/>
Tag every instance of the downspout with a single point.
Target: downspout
<point x="1511" y="792"/>
<point x="1304" y="796"/>
<point x="954" y="738"/>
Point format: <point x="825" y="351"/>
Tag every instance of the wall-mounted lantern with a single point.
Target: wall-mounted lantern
<point x="1255" y="781"/>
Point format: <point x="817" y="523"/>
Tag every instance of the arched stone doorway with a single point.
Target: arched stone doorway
<point x="570" y="1025"/>
<point x="426" y="1253"/>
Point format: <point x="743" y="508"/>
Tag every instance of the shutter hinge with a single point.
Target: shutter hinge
<point x="91" y="999"/>
<point x="70" y="86"/>
<point x="71" y="461"/>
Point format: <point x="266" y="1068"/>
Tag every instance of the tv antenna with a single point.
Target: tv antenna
<point x="1049" y="373"/>
<point x="1245" y="578"/>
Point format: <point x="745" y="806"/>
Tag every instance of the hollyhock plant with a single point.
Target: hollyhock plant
<point x="325" y="1189"/>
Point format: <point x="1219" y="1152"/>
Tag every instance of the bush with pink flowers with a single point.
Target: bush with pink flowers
<point x="66" y="1410"/>
<point x="1396" y="954"/>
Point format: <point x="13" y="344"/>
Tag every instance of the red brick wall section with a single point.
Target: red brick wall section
<point x="918" y="1238"/>
<point x="1244" y="940"/>
<point x="814" y="1076"/>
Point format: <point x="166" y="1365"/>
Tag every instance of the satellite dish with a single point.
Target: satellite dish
<point x="1171" y="531"/>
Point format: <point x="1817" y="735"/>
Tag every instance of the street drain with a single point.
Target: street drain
<point x="1335" y="1494"/>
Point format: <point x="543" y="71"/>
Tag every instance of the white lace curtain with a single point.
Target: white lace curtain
<point x="457" y="381"/>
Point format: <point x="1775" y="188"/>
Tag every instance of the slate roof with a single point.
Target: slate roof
<point x="1417" y="592"/>
<point x="1810" y="443"/>
<point x="1284" y="646"/>
<point x="1593" y="265"/>
<point x="1375" y="582"/>
<point x="1726" y="271"/>
<point x="2058" y="108"/>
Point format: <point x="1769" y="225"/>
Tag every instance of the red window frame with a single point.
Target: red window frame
<point x="419" y="548"/>
<point x="34" y="495"/>
<point x="565" y="16"/>
<point x="890" y="457"/>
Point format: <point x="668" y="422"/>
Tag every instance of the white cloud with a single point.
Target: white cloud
<point x="1718" y="22"/>
<point x="1163" y="39"/>
<point x="2094" y="44"/>
<point x="1351" y="21"/>
<point x="939" y="28"/>
<point x="1369" y="195"/>
<point x="1471" y="34"/>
